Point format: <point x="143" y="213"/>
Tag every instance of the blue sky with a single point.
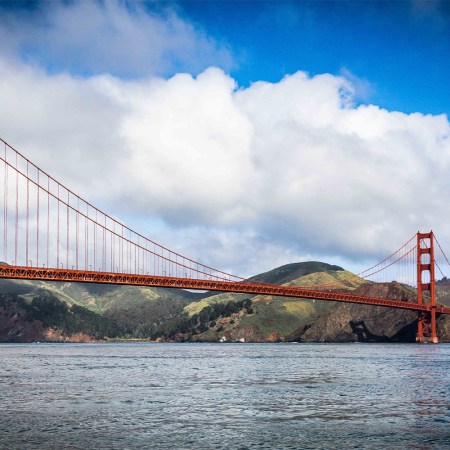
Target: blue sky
<point x="243" y="134"/>
<point x="397" y="50"/>
<point x="402" y="48"/>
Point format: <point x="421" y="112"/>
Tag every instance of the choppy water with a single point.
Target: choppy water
<point x="195" y="396"/>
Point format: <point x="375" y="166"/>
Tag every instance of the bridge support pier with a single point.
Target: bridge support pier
<point x="426" y="328"/>
<point x="426" y="324"/>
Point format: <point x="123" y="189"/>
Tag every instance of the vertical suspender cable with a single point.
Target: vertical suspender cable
<point x="95" y="241"/>
<point x="27" y="217"/>
<point x="76" y="232"/>
<point x="111" y="249"/>
<point x="37" y="221"/>
<point x="86" y="239"/>
<point x="16" y="236"/>
<point x="120" y="250"/>
<point x="68" y="229"/>
<point x="48" y="218"/>
<point x="103" y="245"/>
<point x="57" y="233"/>
<point x="5" y="214"/>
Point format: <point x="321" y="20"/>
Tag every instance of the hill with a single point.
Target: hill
<point x="55" y="311"/>
<point x="266" y="318"/>
<point x="119" y="311"/>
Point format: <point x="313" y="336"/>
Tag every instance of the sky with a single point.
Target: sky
<point x="246" y="134"/>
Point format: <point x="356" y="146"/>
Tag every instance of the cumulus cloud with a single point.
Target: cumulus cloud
<point x="240" y="178"/>
<point x="122" y="38"/>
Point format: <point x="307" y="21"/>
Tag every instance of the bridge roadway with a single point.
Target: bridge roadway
<point x="48" y="274"/>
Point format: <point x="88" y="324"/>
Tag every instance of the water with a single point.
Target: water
<point x="195" y="396"/>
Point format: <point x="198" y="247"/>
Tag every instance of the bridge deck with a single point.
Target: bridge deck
<point x="47" y="274"/>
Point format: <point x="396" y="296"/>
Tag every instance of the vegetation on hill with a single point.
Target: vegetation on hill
<point x="47" y="312"/>
<point x="186" y="327"/>
<point x="129" y="311"/>
<point x="288" y="272"/>
<point x="31" y="311"/>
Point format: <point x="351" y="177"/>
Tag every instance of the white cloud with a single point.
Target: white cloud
<point x="190" y="141"/>
<point x="93" y="37"/>
<point x="243" y="179"/>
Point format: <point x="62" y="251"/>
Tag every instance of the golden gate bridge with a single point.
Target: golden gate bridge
<point x="50" y="233"/>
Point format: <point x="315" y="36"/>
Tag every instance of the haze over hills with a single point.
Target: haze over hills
<point x="56" y="311"/>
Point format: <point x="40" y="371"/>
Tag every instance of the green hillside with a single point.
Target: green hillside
<point x="288" y="272"/>
<point x="297" y="274"/>
<point x="129" y="311"/>
<point x="275" y="318"/>
<point x="35" y="310"/>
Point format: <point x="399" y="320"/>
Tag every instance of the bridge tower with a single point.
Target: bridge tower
<point x="426" y="325"/>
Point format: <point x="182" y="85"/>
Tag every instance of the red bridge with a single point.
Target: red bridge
<point x="50" y="233"/>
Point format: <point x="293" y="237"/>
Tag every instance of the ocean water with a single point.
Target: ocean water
<point x="217" y="396"/>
